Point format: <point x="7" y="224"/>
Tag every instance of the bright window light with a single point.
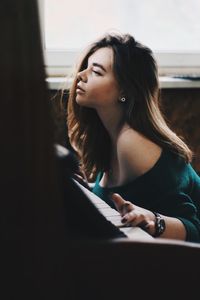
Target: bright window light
<point x="172" y="25"/>
<point x="167" y="27"/>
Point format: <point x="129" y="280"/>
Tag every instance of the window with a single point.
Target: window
<point x="170" y="28"/>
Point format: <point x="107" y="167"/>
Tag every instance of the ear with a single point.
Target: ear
<point x="122" y="94"/>
<point x="122" y="97"/>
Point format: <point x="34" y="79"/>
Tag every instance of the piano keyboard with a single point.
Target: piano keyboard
<point x="114" y="216"/>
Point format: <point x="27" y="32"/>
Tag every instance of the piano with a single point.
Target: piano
<point x="112" y="215"/>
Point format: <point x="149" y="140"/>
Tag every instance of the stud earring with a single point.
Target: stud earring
<point x="123" y="99"/>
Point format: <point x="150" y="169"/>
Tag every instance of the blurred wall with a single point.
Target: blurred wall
<point x="181" y="108"/>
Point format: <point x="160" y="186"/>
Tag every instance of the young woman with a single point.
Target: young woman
<point x="115" y="125"/>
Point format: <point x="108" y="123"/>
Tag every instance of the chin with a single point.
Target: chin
<point x="82" y="102"/>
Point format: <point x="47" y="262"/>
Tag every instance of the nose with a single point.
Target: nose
<point x="82" y="76"/>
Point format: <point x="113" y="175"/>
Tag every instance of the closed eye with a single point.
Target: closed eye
<point x="96" y="72"/>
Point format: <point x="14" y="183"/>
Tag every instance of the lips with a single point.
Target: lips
<point x="79" y="88"/>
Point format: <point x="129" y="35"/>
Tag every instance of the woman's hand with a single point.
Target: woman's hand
<point x="134" y="215"/>
<point x="81" y="178"/>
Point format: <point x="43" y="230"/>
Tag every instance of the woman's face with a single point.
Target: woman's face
<point x="97" y="86"/>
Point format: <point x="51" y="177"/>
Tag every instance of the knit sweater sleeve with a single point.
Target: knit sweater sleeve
<point x="182" y="207"/>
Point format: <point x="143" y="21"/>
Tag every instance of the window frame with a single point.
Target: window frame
<point x="60" y="63"/>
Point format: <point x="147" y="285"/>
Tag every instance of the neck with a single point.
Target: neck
<point x="113" y="122"/>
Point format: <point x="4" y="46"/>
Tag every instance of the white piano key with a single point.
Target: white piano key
<point x="112" y="215"/>
<point x="109" y="212"/>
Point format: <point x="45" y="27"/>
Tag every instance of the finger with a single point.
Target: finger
<point x="148" y="227"/>
<point x="118" y="201"/>
<point x="132" y="219"/>
<point x="128" y="218"/>
<point x="126" y="208"/>
<point x="81" y="180"/>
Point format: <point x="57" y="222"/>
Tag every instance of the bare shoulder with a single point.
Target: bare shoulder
<point x="136" y="151"/>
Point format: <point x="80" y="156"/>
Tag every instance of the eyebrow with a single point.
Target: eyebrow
<point x="100" y="66"/>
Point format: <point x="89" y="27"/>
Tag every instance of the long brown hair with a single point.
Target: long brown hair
<point x="137" y="74"/>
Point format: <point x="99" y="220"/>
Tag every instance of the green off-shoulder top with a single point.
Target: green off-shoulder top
<point x="171" y="187"/>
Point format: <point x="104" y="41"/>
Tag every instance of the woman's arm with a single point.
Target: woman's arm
<point x="138" y="216"/>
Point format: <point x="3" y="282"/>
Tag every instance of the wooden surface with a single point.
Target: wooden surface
<point x="120" y="269"/>
<point x="182" y="112"/>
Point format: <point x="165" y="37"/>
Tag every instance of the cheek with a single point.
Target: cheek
<point x="104" y="93"/>
<point x="99" y="95"/>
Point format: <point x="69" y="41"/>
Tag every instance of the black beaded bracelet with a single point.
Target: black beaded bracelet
<point x="159" y="225"/>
